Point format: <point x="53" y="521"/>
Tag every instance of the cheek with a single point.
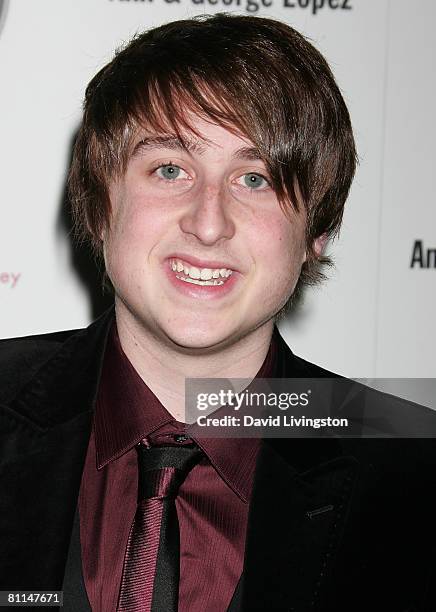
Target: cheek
<point x="281" y="243"/>
<point x="138" y="223"/>
<point x="280" y="253"/>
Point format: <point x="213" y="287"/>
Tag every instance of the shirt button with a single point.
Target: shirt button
<point x="180" y="438"/>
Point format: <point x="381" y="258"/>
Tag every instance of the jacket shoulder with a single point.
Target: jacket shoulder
<point x="315" y="370"/>
<point x="290" y="365"/>
<point x="21" y="358"/>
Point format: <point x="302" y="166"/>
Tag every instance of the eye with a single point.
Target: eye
<point x="171" y="172"/>
<point x="254" y="181"/>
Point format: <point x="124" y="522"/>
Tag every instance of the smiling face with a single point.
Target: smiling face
<point x="199" y="252"/>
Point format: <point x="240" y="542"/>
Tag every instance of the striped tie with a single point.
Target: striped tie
<point x="150" y="581"/>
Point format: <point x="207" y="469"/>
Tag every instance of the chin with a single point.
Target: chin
<point x="196" y="337"/>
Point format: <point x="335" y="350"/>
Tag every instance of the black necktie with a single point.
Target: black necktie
<point x="150" y="581"/>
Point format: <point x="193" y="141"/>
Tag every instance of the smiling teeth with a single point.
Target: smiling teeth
<point x="191" y="273"/>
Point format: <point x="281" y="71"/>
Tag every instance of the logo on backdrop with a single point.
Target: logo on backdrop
<point x="422" y="257"/>
<point x="252" y="6"/>
<point x="3" y="11"/>
<point x="9" y="279"/>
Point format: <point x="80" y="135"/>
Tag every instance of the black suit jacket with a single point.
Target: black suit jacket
<point x="334" y="525"/>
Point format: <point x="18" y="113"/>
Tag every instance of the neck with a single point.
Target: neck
<point x="164" y="366"/>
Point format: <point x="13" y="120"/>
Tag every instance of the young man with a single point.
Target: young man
<point x="213" y="163"/>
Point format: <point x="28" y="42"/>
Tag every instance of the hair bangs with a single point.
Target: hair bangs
<point x="171" y="103"/>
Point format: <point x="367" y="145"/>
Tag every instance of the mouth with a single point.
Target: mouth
<point x="201" y="279"/>
<point x="203" y="276"/>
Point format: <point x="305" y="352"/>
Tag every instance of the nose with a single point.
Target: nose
<point x="208" y="216"/>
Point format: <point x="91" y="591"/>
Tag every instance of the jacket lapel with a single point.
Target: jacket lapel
<point x="295" y="523"/>
<point x="75" y="596"/>
<point x="235" y="603"/>
<point x="301" y="492"/>
<point x="47" y="426"/>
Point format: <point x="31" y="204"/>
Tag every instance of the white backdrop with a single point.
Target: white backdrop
<point x="375" y="316"/>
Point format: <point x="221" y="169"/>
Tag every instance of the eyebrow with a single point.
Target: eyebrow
<point x="175" y="143"/>
<point x="248" y="153"/>
<point x="167" y="142"/>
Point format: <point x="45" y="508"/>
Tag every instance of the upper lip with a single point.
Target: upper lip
<point x="202" y="263"/>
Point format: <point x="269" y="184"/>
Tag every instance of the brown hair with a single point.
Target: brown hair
<point x="254" y="75"/>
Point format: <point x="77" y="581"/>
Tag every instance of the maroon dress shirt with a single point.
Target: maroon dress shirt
<point x="212" y="504"/>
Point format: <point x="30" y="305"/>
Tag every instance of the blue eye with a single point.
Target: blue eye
<point x="169" y="171"/>
<point x="254" y="181"/>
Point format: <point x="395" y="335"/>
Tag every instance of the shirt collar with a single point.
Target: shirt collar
<point x="128" y="411"/>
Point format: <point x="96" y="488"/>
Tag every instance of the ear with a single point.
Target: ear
<point x="319" y="244"/>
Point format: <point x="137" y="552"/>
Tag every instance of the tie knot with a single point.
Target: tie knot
<point x="162" y="469"/>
